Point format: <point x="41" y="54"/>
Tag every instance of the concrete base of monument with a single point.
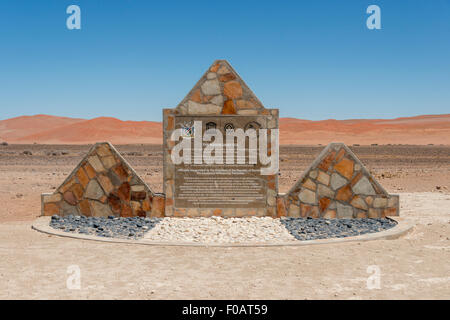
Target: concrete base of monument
<point x="42" y="224"/>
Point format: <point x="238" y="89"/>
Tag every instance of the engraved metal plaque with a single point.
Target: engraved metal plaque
<point x="224" y="185"/>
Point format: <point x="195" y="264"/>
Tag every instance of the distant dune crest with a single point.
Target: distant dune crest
<point x="45" y="129"/>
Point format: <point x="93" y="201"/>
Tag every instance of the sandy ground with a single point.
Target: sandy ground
<point x="35" y="266"/>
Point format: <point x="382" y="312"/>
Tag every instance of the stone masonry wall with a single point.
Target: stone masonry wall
<point x="337" y="185"/>
<point x="221" y="91"/>
<point x="102" y="185"/>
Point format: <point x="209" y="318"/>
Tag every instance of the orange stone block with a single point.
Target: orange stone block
<point x="217" y="212"/>
<point x="124" y="191"/>
<point x="340" y="155"/>
<point x="85" y="209"/>
<point x="325" y="164"/>
<point x="390" y="212"/>
<point x="82" y="177"/>
<point x="324" y="203"/>
<point x="281" y="208"/>
<point x="227" y="77"/>
<point x="344" y="193"/>
<point x="271" y="185"/>
<point x="158" y="207"/>
<point x="121" y="171"/>
<point x="140" y="213"/>
<point x="170" y="123"/>
<point x="138" y="195"/>
<point x="147" y="205"/>
<point x="114" y="203"/>
<point x="77" y="190"/>
<point x="196" y="96"/>
<point x="345" y="168"/>
<point x="232" y="89"/>
<point x="215" y="67"/>
<point x="51" y="209"/>
<point x="126" y="210"/>
<point x="228" y="107"/>
<point x="89" y="171"/>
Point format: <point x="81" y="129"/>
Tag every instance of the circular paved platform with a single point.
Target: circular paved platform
<point x="41" y="224"/>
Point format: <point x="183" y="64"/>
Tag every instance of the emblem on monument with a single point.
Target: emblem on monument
<point x="188" y="129"/>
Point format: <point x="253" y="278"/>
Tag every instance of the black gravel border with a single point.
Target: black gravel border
<point x="110" y="227"/>
<point x="314" y="229"/>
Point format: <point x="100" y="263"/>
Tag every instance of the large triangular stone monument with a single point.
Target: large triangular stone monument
<point x="223" y="101"/>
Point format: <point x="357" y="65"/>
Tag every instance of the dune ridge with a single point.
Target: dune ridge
<point x="47" y="129"/>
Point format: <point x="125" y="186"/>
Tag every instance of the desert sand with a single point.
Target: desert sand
<point x="44" y="129"/>
<point x="34" y="265"/>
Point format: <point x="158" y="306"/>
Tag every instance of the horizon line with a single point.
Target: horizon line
<point x="116" y="118"/>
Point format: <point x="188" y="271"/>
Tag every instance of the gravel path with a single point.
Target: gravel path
<point x="220" y="230"/>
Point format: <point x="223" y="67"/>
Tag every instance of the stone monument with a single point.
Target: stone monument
<point x="220" y="100"/>
<point x="220" y="158"/>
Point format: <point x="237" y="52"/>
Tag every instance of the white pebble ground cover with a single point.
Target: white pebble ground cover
<point x="220" y="230"/>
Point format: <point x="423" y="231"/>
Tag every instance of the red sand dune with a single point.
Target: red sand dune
<point x="44" y="129"/>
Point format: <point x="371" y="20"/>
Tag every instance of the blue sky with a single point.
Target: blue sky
<point x="311" y="59"/>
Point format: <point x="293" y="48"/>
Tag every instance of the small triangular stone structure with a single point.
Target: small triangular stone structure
<point x="337" y="185"/>
<point x="220" y="91"/>
<point x="102" y="185"/>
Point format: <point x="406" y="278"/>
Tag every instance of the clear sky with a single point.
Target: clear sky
<point x="311" y="59"/>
